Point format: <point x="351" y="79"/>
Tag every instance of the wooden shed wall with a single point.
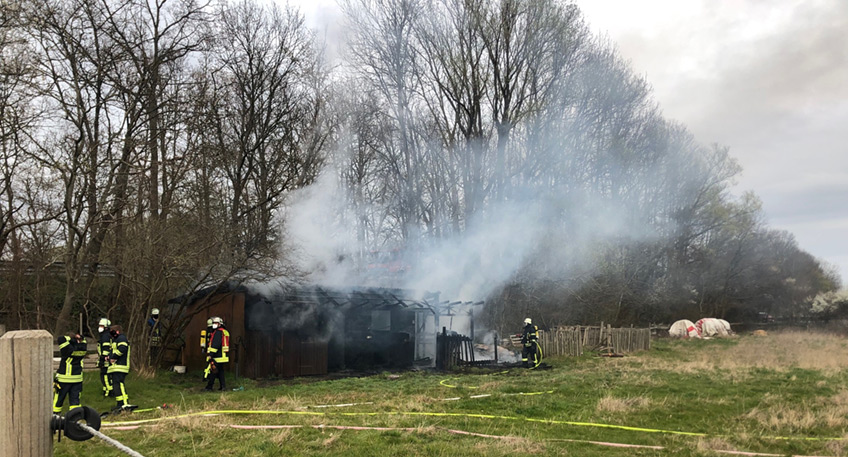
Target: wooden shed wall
<point x="286" y="354"/>
<point x="230" y="307"/>
<point x="267" y="352"/>
<point x="260" y="354"/>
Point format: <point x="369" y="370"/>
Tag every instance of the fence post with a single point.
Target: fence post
<point x="26" y="384"/>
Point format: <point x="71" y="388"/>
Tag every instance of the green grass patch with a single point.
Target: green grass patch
<point x="689" y="397"/>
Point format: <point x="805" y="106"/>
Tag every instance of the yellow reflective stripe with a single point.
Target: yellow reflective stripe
<point x="69" y="378"/>
<point x="116" y="349"/>
<point x="64" y="344"/>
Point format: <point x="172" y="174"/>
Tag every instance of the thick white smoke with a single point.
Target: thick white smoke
<point x="469" y="267"/>
<point x="318" y="240"/>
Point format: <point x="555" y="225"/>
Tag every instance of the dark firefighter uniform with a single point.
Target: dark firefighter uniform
<point x="530" y="339"/>
<point x="119" y="365"/>
<point x="104" y="347"/>
<point x="69" y="375"/>
<point x="155" y="325"/>
<point x="217" y="354"/>
<point x="155" y="328"/>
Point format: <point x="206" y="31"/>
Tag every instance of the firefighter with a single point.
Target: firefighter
<point x="155" y="334"/>
<point x="217" y="354"/>
<point x="104" y="347"/>
<point x="155" y="328"/>
<point x="530" y="355"/>
<point x="119" y="367"/>
<point x="68" y="380"/>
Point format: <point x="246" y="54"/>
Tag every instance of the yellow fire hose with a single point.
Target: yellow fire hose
<point x="461" y="415"/>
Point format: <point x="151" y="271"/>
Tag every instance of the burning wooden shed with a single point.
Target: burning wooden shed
<point x="312" y="330"/>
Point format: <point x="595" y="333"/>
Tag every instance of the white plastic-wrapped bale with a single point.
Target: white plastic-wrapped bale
<point x="683" y="328"/>
<point x="726" y="326"/>
<point x="710" y="327"/>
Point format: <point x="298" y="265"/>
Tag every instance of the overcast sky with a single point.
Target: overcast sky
<point x="767" y="78"/>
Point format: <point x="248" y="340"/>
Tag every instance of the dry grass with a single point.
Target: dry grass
<point x="838" y="448"/>
<point x="714" y="444"/>
<point x="823" y="411"/>
<point x="286" y="402"/>
<point x="511" y="445"/>
<point x="778" y="351"/>
<point x="411" y="403"/>
<point x="491" y="385"/>
<point x="281" y="437"/>
<point x="784" y="417"/>
<point x="612" y="404"/>
<point x="331" y="439"/>
<point x="144" y="372"/>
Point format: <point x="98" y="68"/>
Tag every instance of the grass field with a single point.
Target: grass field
<point x="780" y="394"/>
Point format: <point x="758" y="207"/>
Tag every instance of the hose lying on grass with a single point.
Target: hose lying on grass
<point x="462" y="415"/>
<point x="466" y="433"/>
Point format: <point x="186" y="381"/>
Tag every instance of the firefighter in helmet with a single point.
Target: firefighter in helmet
<point x="155" y="344"/>
<point x="530" y="353"/>
<point x="104" y="348"/>
<point x="119" y="367"/>
<point x="155" y="328"/>
<point x="217" y="354"/>
<point x="68" y="380"/>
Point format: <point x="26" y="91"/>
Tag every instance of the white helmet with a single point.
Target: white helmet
<point x="104" y="322"/>
<point x="218" y="320"/>
<point x="155" y="312"/>
<point x="528" y="321"/>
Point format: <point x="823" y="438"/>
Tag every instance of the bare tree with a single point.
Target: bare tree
<point x="267" y="115"/>
<point x="383" y="52"/>
<point x="73" y="58"/>
<point x="532" y="46"/>
<point x="458" y="76"/>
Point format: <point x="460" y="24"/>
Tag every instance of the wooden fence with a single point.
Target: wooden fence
<point x="573" y="341"/>
<point x="456" y="350"/>
<point x="453" y="350"/>
<point x="561" y="341"/>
